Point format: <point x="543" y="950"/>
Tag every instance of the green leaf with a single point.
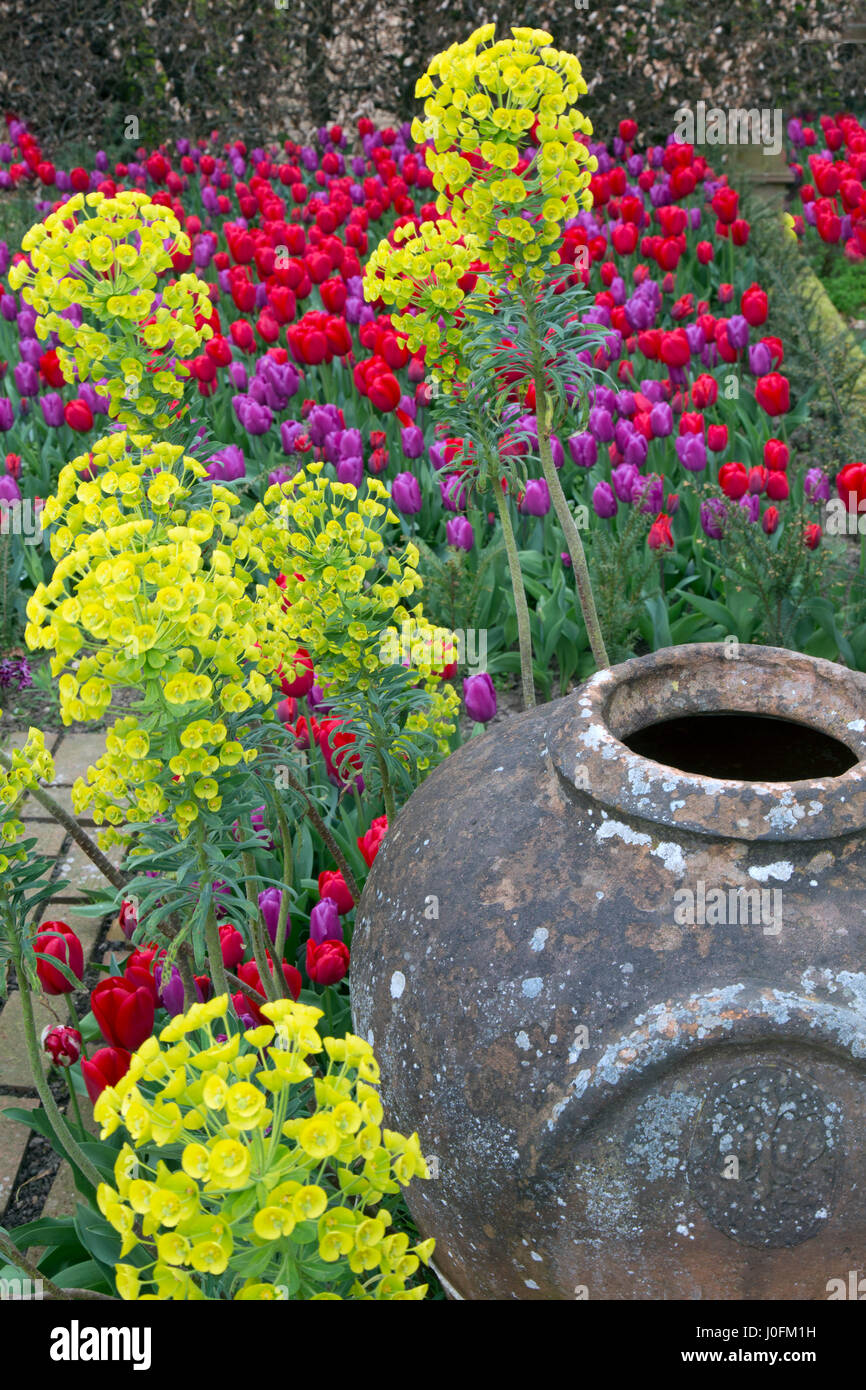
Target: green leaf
<point x="97" y="1236"/>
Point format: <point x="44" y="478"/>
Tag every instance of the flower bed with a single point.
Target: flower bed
<point x="286" y="475"/>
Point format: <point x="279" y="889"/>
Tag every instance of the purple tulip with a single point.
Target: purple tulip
<point x="649" y="492"/>
<point x="52" y="409"/>
<point x="453" y="491"/>
<point x="536" y="499"/>
<point x="695" y="336"/>
<point x="9" y="489"/>
<point x="713" y="517"/>
<point x="436" y="453"/>
<point x="278" y="476"/>
<point x="26" y="379"/>
<point x="27" y="324"/>
<point x="661" y="420"/>
<point x="601" y="425"/>
<point x="636" y="450"/>
<point x="8" y="307"/>
<point x="171" y="993"/>
<point x="270" y="900"/>
<point x="254" y="417"/>
<point x="583" y="450"/>
<point x="7" y="415"/>
<point x="760" y="361"/>
<point x="406" y="494"/>
<point x="692" y="452"/>
<point x="227" y="465"/>
<point x="459" y="533"/>
<point x="816" y="485"/>
<point x="751" y="504"/>
<point x="653" y="390"/>
<point x="738" y="331"/>
<point x="351" y="470"/>
<point x="623" y="479"/>
<point x="604" y="502"/>
<point x="412" y="442"/>
<point x="30" y="351"/>
<point x="325" y="922"/>
<point x="479" y="697"/>
<point x="290" y="433"/>
<point x="98" y="404"/>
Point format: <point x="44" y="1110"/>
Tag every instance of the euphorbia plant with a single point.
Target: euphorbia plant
<point x="256" y="1169"/>
<point x="482" y="290"/>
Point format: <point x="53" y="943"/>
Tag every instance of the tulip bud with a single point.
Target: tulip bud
<point x="62" y="1045"/>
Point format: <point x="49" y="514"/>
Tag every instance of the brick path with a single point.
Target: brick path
<point x="73" y="753"/>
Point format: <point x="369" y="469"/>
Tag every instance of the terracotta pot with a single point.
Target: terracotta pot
<point x="634" y="1081"/>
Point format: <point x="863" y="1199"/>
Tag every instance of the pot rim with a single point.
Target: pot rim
<point x="588" y="751"/>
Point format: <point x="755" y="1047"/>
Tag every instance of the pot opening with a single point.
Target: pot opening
<point x="742" y="747"/>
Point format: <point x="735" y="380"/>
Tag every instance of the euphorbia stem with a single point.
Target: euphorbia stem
<point x="267" y="974"/>
<point x="215" y="954"/>
<point x="560" y="503"/>
<point x="388" y="794"/>
<point x="70" y="824"/>
<point x="338" y="855"/>
<point x="524" y="632"/>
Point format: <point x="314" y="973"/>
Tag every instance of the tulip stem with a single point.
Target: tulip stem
<point x="267" y="973"/>
<point x="70" y="824"/>
<point x="73" y="1101"/>
<point x="65" y="1138"/>
<point x="325" y="834"/>
<point x="283" y="919"/>
<point x="211" y="930"/>
<point x="524" y="631"/>
<point x="388" y="794"/>
<point x="560" y="503"/>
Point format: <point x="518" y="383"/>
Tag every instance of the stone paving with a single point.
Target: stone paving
<point x="73" y="753"/>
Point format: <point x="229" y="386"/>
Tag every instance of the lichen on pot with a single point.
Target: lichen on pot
<point x="623" y="1003"/>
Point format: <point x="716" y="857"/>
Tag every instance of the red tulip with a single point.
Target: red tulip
<point x="78" y="415"/>
<point x="777" y="487"/>
<point x="61" y="1045"/>
<point x="232" y="946"/>
<point x="717" y="438"/>
<point x="851" y="485"/>
<point x="772" y="393"/>
<point x="301" y="677"/>
<point x="58" y="940"/>
<point x="333" y="885"/>
<point x="660" y="537"/>
<point x="812" y="536"/>
<point x="249" y="974"/>
<point x="733" y="480"/>
<point x="50" y="369"/>
<point x="328" y="962"/>
<point x="124" y="1012"/>
<point x="753" y="305"/>
<point x="724" y="204"/>
<point x="369" y="842"/>
<point x="776" y="455"/>
<point x="104" y="1068"/>
<point x="770" y="520"/>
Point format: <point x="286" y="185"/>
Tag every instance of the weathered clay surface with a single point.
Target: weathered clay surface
<point x="584" y="1066"/>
